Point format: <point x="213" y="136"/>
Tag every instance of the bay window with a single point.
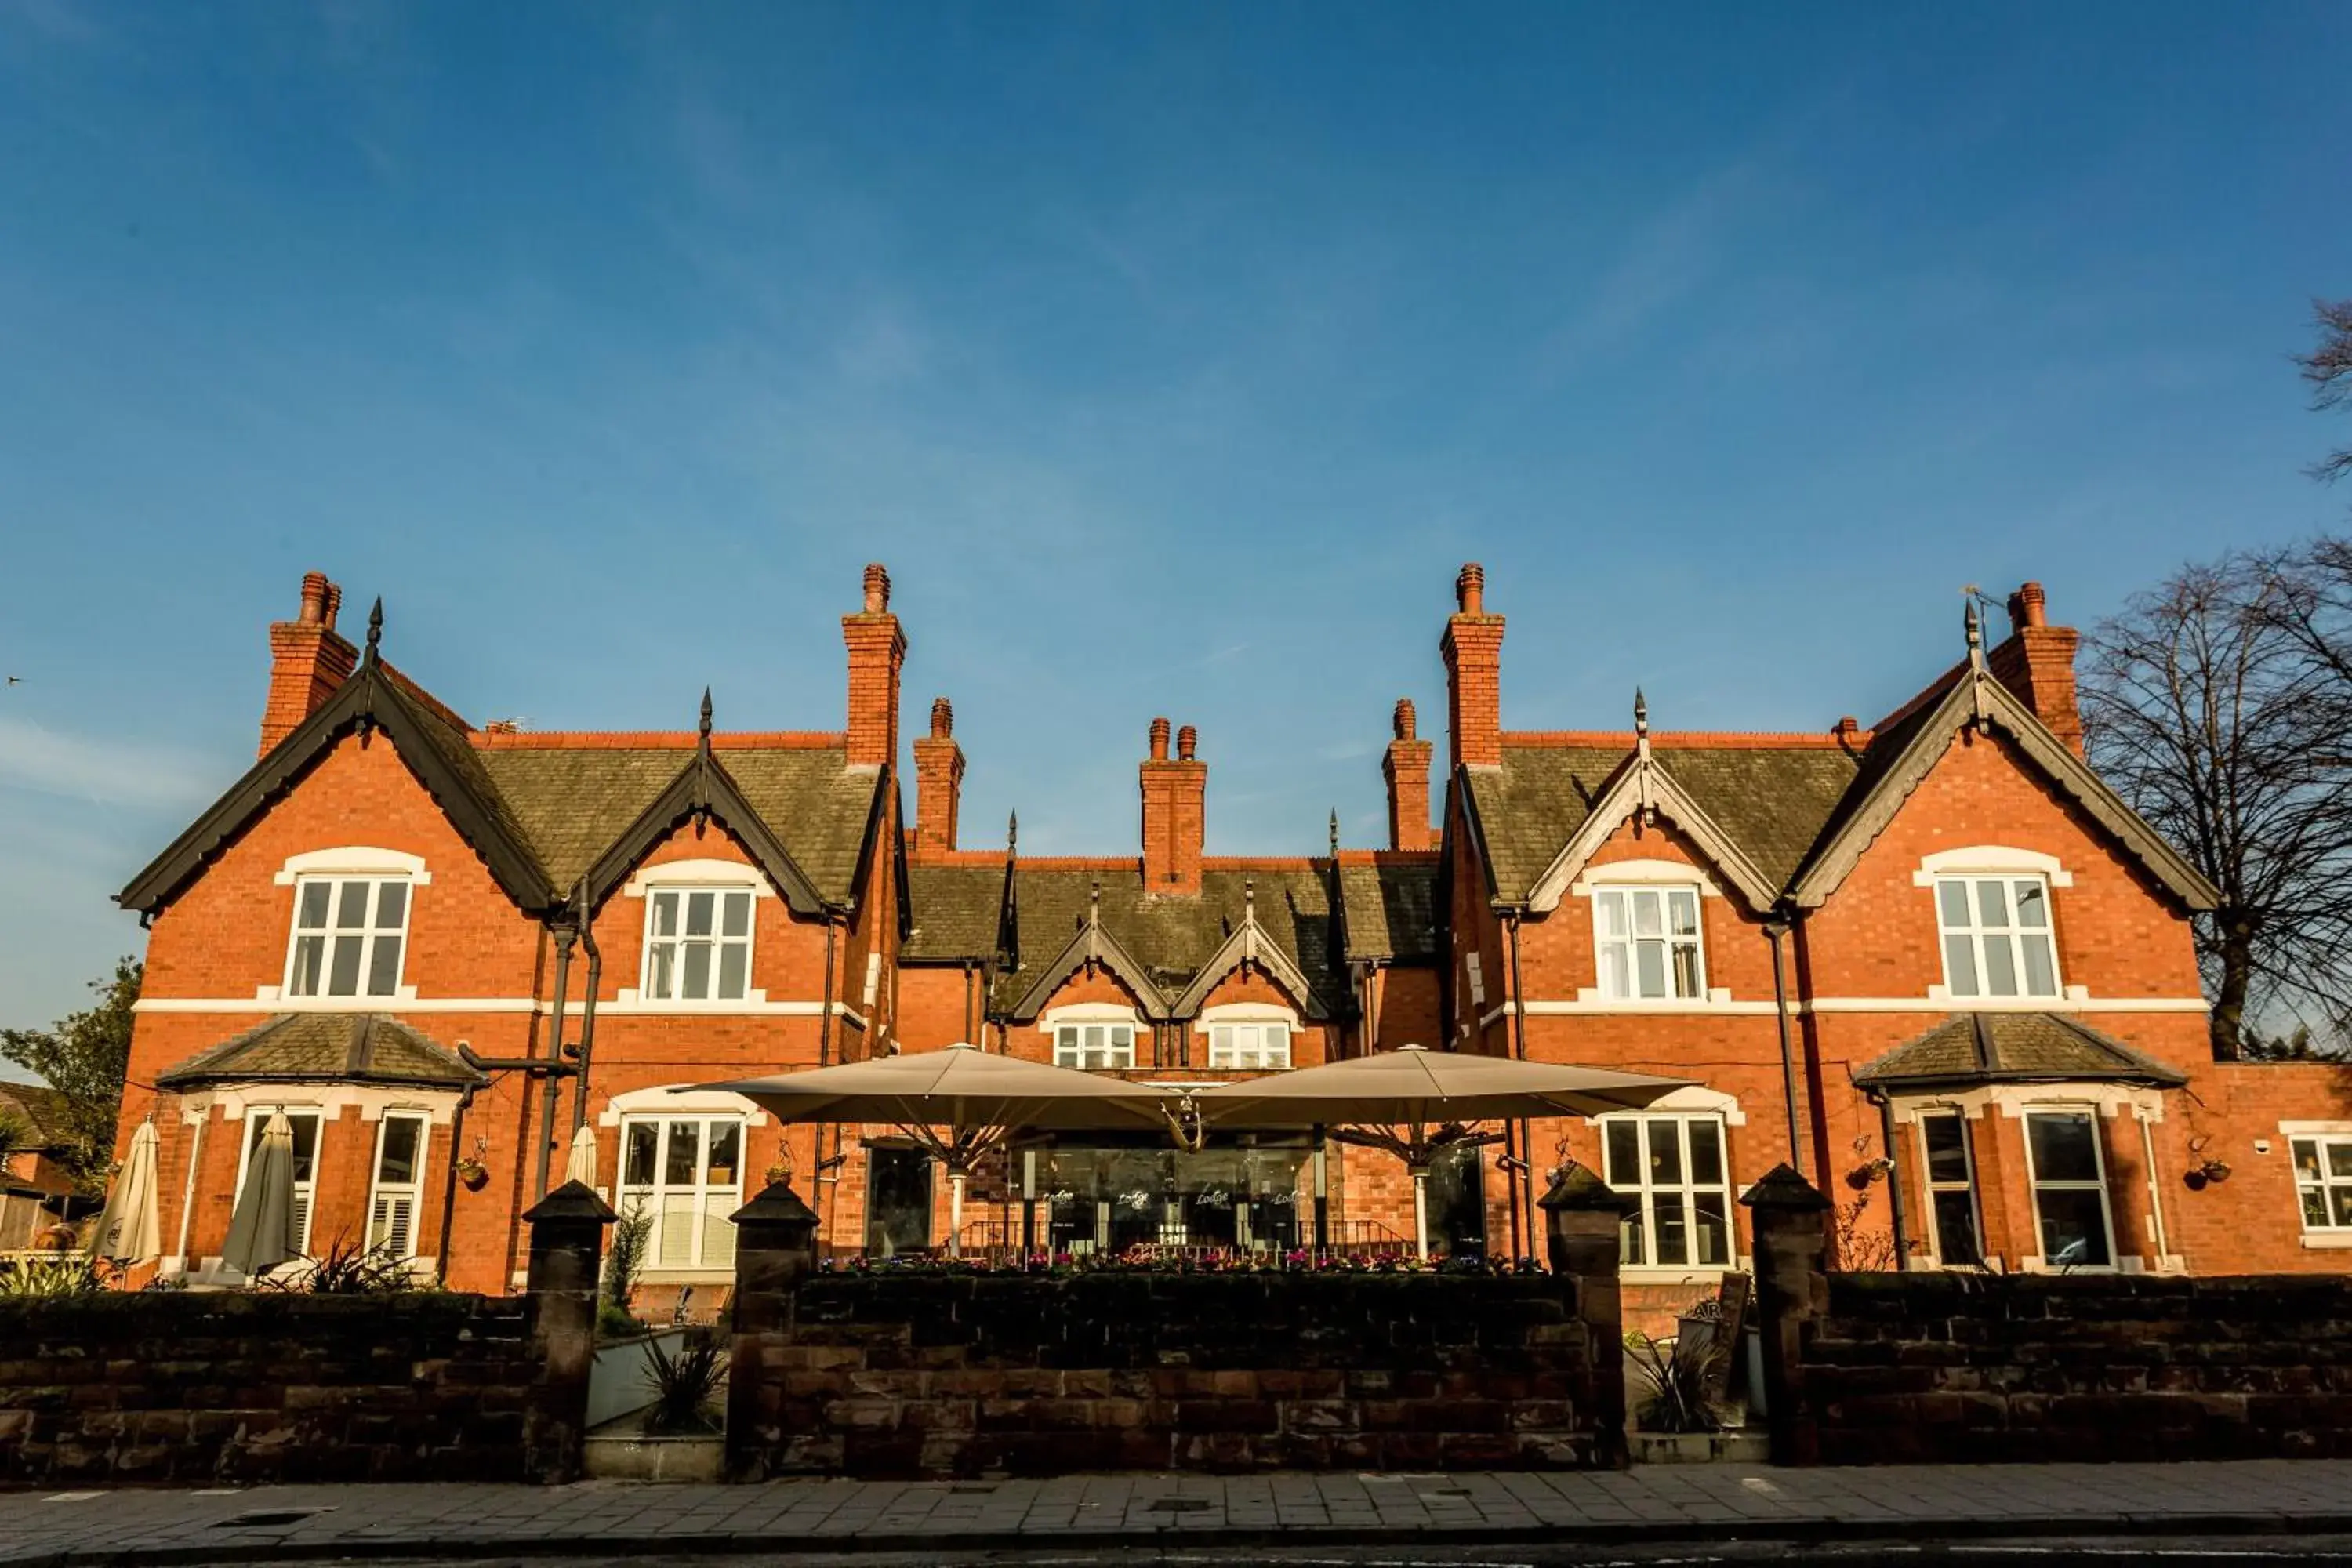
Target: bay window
<point x="686" y="1173"/>
<point x="2069" y="1178"/>
<point x="398" y="1185"/>
<point x="304" y="1125"/>
<point x="1951" y="1188"/>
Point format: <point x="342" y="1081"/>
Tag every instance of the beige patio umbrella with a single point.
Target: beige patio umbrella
<point x="261" y="1232"/>
<point x="128" y="1230"/>
<point x="958" y="1103"/>
<point x="580" y="1165"/>
<point x="1412" y="1103"/>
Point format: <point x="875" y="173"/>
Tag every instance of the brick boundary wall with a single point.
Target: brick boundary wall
<point x="1933" y="1366"/>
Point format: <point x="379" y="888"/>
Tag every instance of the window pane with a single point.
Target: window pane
<point x="1673" y="1227"/>
<point x="674" y="1230"/>
<point x="1705" y="1153"/>
<point x="694" y="970"/>
<point x="680" y="1157"/>
<point x="2306" y="1159"/>
<point x="343" y="967"/>
<point x="725" y="1147"/>
<point x="1624" y="1155"/>
<point x="639" y="1141"/>
<point x="397" y="1164"/>
<point x="1686" y="971"/>
<point x="306" y="1145"/>
<point x="1612" y="971"/>
<point x="661" y="983"/>
<point x="2064" y="1147"/>
<point x="1682" y="912"/>
<point x="384" y="964"/>
<point x="717" y="1238"/>
<point x="1992" y="904"/>
<point x="736" y="918"/>
<point x="698" y="913"/>
<point x="664" y="914"/>
<point x="1612" y="906"/>
<point x="734" y="959"/>
<point x="391" y="905"/>
<point x="2000" y="967"/>
<point x="1650" y="963"/>
<point x="1947" y="1148"/>
<point x="2041" y="973"/>
<point x="1952" y="904"/>
<point x="2073" y="1227"/>
<point x="1277" y="1045"/>
<point x="1960" y="964"/>
<point x="2339" y="1159"/>
<point x="2315" y="1206"/>
<point x="1955" y="1228"/>
<point x="1666" y="1151"/>
<point x="1714" y="1229"/>
<point x="315" y="897"/>
<point x="1647" y="920"/>
<point x="2033" y="905"/>
<point x="2342" y="1197"/>
<point x="351" y="905"/>
<point x="1221" y="1045"/>
<point x="309" y="957"/>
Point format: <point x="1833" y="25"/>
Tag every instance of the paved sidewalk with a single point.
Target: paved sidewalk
<point x="1655" y="1503"/>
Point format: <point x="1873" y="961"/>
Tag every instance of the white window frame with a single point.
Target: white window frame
<point x="305" y="1193"/>
<point x="2035" y="1185"/>
<point x="1227" y="1054"/>
<point x="719" y="943"/>
<point x="1072" y="1045"/>
<point x="1644" y="1193"/>
<point x="370" y="936"/>
<point x="1931" y="1186"/>
<point x="707" y="1197"/>
<point x="2011" y="937"/>
<point x="1668" y="941"/>
<point x="2327" y="1184"/>
<point x="383" y="1192"/>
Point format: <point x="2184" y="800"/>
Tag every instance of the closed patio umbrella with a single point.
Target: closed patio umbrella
<point x="958" y="1103"/>
<point x="580" y="1165"/>
<point x="128" y="1231"/>
<point x="1413" y="1102"/>
<point x="261" y="1232"/>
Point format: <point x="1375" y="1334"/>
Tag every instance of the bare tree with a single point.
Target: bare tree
<point x="2216" y="704"/>
<point x="2328" y="369"/>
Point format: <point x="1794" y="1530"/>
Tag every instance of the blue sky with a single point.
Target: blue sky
<point x="1173" y="356"/>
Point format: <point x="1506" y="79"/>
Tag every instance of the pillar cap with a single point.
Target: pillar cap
<point x="775" y="1203"/>
<point x="1782" y="1188"/>
<point x="572" y="1200"/>
<point x="1581" y="1187"/>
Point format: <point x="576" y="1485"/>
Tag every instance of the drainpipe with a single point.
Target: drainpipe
<point x="1526" y="1185"/>
<point x="1776" y="927"/>
<point x="587" y="1013"/>
<point x="1894" y="1181"/>
<point x="2155" y="1200"/>
<point x="825" y="1057"/>
<point x="449" y="1186"/>
<point x="564" y="936"/>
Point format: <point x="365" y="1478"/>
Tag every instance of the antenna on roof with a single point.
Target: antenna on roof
<point x="375" y="629"/>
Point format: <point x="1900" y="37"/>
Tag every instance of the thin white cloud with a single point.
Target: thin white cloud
<point x="112" y="772"/>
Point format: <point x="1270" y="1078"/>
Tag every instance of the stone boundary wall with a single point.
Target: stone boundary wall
<point x="1937" y="1367"/>
<point x="231" y="1387"/>
<point x="949" y="1375"/>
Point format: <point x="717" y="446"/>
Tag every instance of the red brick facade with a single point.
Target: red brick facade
<point x="525" y="856"/>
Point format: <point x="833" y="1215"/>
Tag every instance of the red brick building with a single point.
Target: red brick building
<point x="443" y="947"/>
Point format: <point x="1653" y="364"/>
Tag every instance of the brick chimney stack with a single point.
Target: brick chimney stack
<point x="1473" y="647"/>
<point x="2037" y="664"/>
<point x="308" y="661"/>
<point x="1406" y="768"/>
<point x="877" y="651"/>
<point x="1175" y="813"/>
<point x="939" y="781"/>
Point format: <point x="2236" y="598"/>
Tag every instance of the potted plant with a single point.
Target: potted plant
<point x="473" y="1175"/>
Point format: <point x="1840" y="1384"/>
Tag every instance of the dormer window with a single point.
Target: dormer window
<point x="1997" y="936"/>
<point x="1647" y="940"/>
<point x="1094" y="1046"/>
<point x="698" y="944"/>
<point x="349" y="935"/>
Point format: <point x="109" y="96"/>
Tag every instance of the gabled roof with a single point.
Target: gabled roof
<point x="1644" y="785"/>
<point x="1091" y="944"/>
<point x="327" y="1047"/>
<point x="436" y="751"/>
<point x="1972" y="1048"/>
<point x="1249" y="944"/>
<point x="43" y="1110"/>
<point x="703" y="789"/>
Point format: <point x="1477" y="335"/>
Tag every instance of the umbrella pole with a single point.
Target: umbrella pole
<point x="955" y="1214"/>
<point x="1322" y="1192"/>
<point x="1421" y="1211"/>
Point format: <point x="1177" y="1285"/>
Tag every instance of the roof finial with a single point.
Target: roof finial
<point x="1249" y="898"/>
<point x="375" y="629"/>
<point x="703" y="728"/>
<point x="1335" y="834"/>
<point x="1640" y="713"/>
<point x="1011" y="834"/>
<point x="1094" y="903"/>
<point x="1975" y="627"/>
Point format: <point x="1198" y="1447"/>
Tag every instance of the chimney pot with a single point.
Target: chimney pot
<point x="877" y="588"/>
<point x="1404" y="720"/>
<point x="1159" y="739"/>
<point x="942" y="718"/>
<point x="334" y="602"/>
<point x="1470" y="590"/>
<point x="2028" y="607"/>
<point x="1848" y="727"/>
<point x="1186" y="739"/>
<point x="314" y="599"/>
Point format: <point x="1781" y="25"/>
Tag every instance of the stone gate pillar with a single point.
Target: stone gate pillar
<point x="1790" y="1219"/>
<point x="775" y="1249"/>
<point x="1583" y="1216"/>
<point x="567" y="1251"/>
